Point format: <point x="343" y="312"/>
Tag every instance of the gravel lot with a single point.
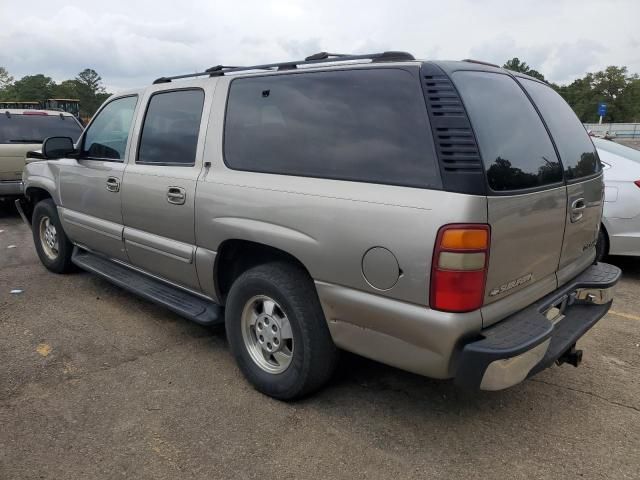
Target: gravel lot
<point x="96" y="383"/>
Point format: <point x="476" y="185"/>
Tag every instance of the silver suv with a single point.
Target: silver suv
<point x="439" y="217"/>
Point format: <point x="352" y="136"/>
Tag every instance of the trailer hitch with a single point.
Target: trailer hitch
<point x="570" y="356"/>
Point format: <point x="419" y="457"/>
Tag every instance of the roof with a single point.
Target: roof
<point x="64" y="99"/>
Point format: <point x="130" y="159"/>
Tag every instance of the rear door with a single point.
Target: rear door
<point x="582" y="171"/>
<point x="526" y="193"/>
<point x="158" y="194"/>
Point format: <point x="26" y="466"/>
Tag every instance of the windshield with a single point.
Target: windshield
<point x="35" y="128"/>
<point x="617" y="149"/>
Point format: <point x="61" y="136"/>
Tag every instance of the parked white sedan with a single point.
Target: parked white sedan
<point x="620" y="232"/>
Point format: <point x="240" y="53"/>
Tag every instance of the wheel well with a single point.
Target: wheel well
<point x="237" y="256"/>
<point x="34" y="195"/>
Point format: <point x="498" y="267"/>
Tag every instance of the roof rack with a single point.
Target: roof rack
<point x="321" y="57"/>
<point x="480" y="62"/>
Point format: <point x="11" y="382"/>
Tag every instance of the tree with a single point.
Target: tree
<point x="516" y="65"/>
<point x="66" y="89"/>
<point x="89" y="78"/>
<point x="581" y="96"/>
<point x="89" y="91"/>
<point x="33" y="88"/>
<point x="610" y="85"/>
<point x="6" y="80"/>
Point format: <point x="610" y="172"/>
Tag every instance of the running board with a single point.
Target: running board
<point x="183" y="303"/>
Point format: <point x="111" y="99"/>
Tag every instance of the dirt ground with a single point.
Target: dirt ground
<point x="96" y="383"/>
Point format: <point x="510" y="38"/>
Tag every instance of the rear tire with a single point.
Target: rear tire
<point x="602" y="245"/>
<point x="53" y="247"/>
<point x="277" y="331"/>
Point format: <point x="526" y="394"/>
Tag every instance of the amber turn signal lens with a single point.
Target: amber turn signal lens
<point x="465" y="239"/>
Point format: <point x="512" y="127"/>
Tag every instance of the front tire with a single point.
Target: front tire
<point x="53" y="247"/>
<point x="277" y="331"/>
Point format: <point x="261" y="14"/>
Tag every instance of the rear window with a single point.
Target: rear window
<point x="359" y="125"/>
<point x="18" y="128"/>
<point x="574" y="145"/>
<point x="515" y="147"/>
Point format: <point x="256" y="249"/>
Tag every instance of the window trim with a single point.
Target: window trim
<point x="413" y="71"/>
<point x="144" y="119"/>
<point x="84" y="133"/>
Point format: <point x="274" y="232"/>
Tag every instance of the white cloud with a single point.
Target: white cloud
<point x="130" y="43"/>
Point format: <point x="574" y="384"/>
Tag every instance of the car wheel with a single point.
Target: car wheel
<point x="602" y="245"/>
<point x="277" y="331"/>
<point x="52" y="244"/>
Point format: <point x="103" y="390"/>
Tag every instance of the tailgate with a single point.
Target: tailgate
<point x="527" y="196"/>
<point x="12" y="160"/>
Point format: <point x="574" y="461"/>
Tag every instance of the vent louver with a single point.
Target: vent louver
<point x="460" y="162"/>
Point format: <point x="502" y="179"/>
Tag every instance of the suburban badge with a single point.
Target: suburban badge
<point x="512" y="284"/>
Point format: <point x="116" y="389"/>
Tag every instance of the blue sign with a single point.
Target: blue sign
<point x="602" y="109"/>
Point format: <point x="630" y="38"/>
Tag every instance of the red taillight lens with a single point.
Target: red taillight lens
<point x="34" y="112"/>
<point x="637" y="182"/>
<point x="459" y="267"/>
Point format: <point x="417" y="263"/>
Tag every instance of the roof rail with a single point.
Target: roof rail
<point x="321" y="57"/>
<point x="480" y="62"/>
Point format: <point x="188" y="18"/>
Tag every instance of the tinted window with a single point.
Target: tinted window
<point x="171" y="125"/>
<point x="362" y="125"/>
<point x="515" y="147"/>
<point x="574" y="145"/>
<point x="107" y="135"/>
<point x="35" y="128"/>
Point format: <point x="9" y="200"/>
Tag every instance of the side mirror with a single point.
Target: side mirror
<point x="57" y="147"/>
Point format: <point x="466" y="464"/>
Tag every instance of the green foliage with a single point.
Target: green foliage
<point x="33" y="88"/>
<point x="613" y="86"/>
<point x="89" y="90"/>
<point x="86" y="87"/>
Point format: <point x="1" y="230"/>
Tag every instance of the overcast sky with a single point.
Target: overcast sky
<point x="131" y="42"/>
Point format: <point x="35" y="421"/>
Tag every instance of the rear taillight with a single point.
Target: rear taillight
<point x="34" y="112"/>
<point x="637" y="182"/>
<point x="459" y="267"/>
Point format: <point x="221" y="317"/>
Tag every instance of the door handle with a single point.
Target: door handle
<point x="113" y="184"/>
<point x="176" y="195"/>
<point x="577" y="209"/>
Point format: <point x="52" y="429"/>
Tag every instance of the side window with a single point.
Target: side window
<point x="574" y="145"/>
<point x="107" y="136"/>
<point x="515" y="147"/>
<point x="359" y="125"/>
<point x="170" y="130"/>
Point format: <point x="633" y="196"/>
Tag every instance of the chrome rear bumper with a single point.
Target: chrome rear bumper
<point x="535" y="338"/>
<point x="10" y="188"/>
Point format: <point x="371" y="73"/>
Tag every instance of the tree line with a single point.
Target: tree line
<point x="614" y="86"/>
<point x="86" y="86"/>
